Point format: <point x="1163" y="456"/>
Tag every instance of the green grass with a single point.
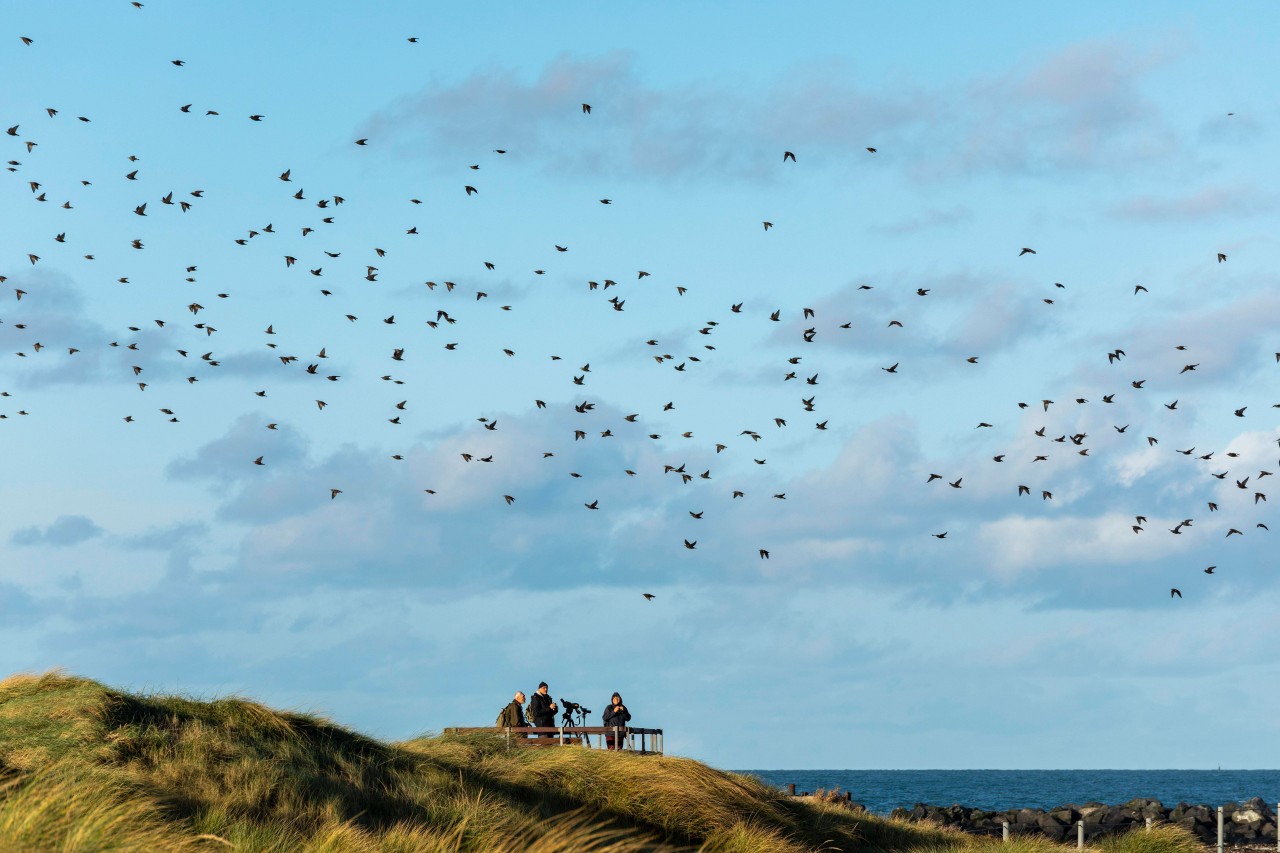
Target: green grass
<point x="87" y="768"/>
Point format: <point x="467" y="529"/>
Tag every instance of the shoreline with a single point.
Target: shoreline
<point x="1247" y="825"/>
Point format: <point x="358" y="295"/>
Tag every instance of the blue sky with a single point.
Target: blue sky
<point x="1127" y="146"/>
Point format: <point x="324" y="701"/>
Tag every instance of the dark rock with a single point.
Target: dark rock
<point x="1117" y="816"/>
<point x="986" y="826"/>
<point x="1201" y="814"/>
<point x="1090" y="811"/>
<point x="1052" y="828"/>
<point x="1257" y="804"/>
<point x="1155" y="810"/>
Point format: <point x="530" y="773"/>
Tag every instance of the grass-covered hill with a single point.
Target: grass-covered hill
<point x="87" y="768"/>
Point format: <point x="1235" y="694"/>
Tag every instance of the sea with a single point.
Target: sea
<point x="881" y="791"/>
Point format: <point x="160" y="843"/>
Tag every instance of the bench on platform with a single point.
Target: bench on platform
<point x="641" y="741"/>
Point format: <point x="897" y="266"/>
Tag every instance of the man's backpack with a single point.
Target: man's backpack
<point x="502" y="717"/>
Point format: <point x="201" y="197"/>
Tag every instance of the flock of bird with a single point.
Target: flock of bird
<point x="307" y="260"/>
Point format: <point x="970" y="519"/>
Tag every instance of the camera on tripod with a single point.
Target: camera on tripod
<point x="572" y="709"/>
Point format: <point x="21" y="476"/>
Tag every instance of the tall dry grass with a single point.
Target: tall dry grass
<point x="87" y="768"/>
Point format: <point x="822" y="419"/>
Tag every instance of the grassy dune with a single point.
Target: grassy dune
<point x="87" y="768"/>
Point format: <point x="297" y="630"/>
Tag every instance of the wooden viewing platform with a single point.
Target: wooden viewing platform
<point x="624" y="737"/>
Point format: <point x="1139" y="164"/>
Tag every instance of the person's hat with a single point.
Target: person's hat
<point x="542" y="684"/>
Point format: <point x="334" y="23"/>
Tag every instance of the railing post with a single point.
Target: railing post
<point x="1148" y="824"/>
<point x="1219" y="829"/>
<point x="1079" y="835"/>
<point x="791" y="789"/>
<point x="508" y="737"/>
<point x="1004" y="830"/>
<point x="1277" y="823"/>
<point x="562" y="735"/>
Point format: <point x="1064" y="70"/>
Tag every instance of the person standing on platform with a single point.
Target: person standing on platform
<point x="542" y="709"/>
<point x="512" y="716"/>
<point x="616" y="716"/>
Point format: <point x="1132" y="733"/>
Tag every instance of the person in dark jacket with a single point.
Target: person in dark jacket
<point x="512" y="716"/>
<point x="616" y="715"/>
<point x="542" y="708"/>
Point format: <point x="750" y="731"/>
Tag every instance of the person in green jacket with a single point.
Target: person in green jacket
<point x="512" y="716"/>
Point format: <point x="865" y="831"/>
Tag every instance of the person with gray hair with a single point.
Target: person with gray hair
<point x="512" y="716"/>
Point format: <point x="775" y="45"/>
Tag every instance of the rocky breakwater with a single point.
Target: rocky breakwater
<point x="1251" y="823"/>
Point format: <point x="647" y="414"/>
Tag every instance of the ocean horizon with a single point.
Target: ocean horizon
<point x="881" y="791"/>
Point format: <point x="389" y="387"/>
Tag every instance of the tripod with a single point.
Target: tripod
<point x="568" y="720"/>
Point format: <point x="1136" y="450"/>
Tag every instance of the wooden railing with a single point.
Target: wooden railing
<point x="642" y="741"/>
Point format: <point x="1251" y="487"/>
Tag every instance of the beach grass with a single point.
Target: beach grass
<point x="84" y="767"/>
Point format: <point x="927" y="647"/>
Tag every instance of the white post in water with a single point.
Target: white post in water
<point x="1005" y="829"/>
<point x="1219" y="829"/>
<point x="1277" y="827"/>
<point x="1079" y="835"/>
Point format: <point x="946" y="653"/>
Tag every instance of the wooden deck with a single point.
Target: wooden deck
<point x="641" y="741"/>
